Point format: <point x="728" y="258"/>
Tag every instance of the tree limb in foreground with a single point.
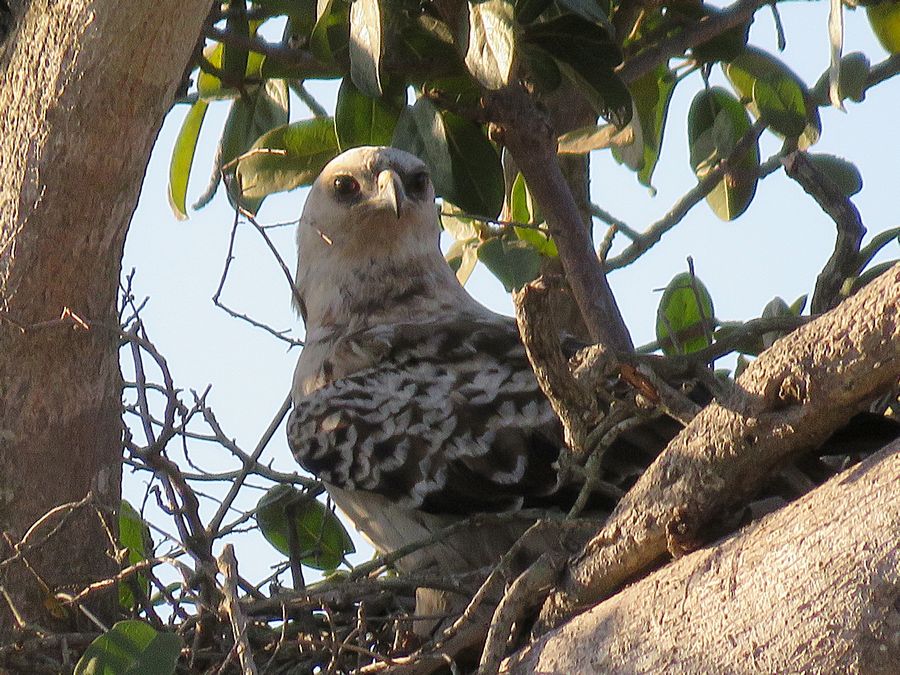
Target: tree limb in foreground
<point x="814" y="587"/>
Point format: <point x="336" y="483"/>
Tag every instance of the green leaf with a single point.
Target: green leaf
<point x="490" y="41"/>
<point x="524" y="209"/>
<point x="843" y="174"/>
<point x="587" y="56"/>
<point x="541" y="68"/>
<point x="131" y="648"/>
<point x="587" y="139"/>
<point x="527" y="11"/>
<point x="330" y="38"/>
<point x="366" y="47"/>
<point x="234" y="59"/>
<point x="775" y="93"/>
<point x="249" y="118"/>
<point x="183" y="157"/>
<point x="854" y="77"/>
<point x="462" y="257"/>
<point x="684" y="318"/>
<point x="884" y="17"/>
<point x="361" y="120"/>
<point x="287" y="157"/>
<point x="210" y="87"/>
<point x="724" y="46"/>
<point x="587" y="9"/>
<point x="716" y="122"/>
<point x="879" y="241"/>
<point x="465" y="167"/>
<point x="134" y="535"/>
<point x="514" y="263"/>
<point x="652" y="94"/>
<point x="321" y="540"/>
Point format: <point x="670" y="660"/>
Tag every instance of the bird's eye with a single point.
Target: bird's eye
<point x="346" y="186"/>
<point x="417" y="183"/>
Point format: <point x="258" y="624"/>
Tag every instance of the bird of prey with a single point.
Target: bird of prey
<point x="414" y="404"/>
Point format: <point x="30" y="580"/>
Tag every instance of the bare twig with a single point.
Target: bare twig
<point x="227" y="565"/>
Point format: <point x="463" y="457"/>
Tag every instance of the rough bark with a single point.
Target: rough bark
<point x="84" y="87"/>
<point x="799" y="392"/>
<point x="814" y="587"/>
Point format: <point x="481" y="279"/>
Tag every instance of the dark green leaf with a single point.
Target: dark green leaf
<point x="361" y="120"/>
<point x="330" y="37"/>
<point x="652" y="94"/>
<point x="183" y="157"/>
<point x="684" y="318"/>
<point x="724" y="46"/>
<point x="588" y="56"/>
<point x="541" y="68"/>
<point x="589" y="10"/>
<point x="249" y="118"/>
<point x="490" y="41"/>
<point x="287" y="157"/>
<point x="843" y="174"/>
<point x="528" y="10"/>
<point x="134" y="535"/>
<point x="775" y="93"/>
<point x="131" y="648"/>
<point x="321" y="540"/>
<point x="366" y="46"/>
<point x="716" y="122"/>
<point x="879" y="241"/>
<point x="234" y="60"/>
<point x="465" y="167"/>
<point x="514" y="263"/>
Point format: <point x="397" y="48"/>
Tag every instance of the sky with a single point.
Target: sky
<point x="774" y="249"/>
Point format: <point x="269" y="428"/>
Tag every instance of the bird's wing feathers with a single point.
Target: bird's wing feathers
<point x="447" y="418"/>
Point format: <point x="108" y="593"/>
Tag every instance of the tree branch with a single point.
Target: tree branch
<point x="810" y="588"/>
<point x="793" y="397"/>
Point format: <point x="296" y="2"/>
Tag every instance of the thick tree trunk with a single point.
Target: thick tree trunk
<point x="84" y="87"/>
<point x="814" y="587"/>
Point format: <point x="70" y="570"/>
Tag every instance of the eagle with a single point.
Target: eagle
<point x="413" y="403"/>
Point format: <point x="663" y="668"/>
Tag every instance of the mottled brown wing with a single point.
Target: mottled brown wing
<point x="451" y="420"/>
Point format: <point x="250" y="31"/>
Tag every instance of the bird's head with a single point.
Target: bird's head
<point x="369" y="216"/>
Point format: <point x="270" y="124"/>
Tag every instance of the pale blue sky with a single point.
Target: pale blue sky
<point x="775" y="248"/>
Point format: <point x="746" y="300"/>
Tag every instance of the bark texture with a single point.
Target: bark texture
<point x="814" y="587"/>
<point x="799" y="392"/>
<point x="84" y="87"/>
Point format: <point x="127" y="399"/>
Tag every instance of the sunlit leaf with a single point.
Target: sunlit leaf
<point x="595" y="137"/>
<point x="131" y="648"/>
<point x="716" y="122"/>
<point x="836" y="42"/>
<point x="287" y="157"/>
<point x="462" y="257"/>
<point x="183" y="157"/>
<point x="361" y="120"/>
<point x="524" y="209"/>
<point x="884" y="17"/>
<point x="513" y="262"/>
<point x="774" y="92"/>
<point x="490" y="41"/>
<point x="366" y="46"/>
<point x="320" y="538"/>
<point x="210" y="87"/>
<point x="652" y="94"/>
<point x="684" y="318"/>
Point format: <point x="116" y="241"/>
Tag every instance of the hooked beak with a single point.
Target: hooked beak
<point x="390" y="189"/>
